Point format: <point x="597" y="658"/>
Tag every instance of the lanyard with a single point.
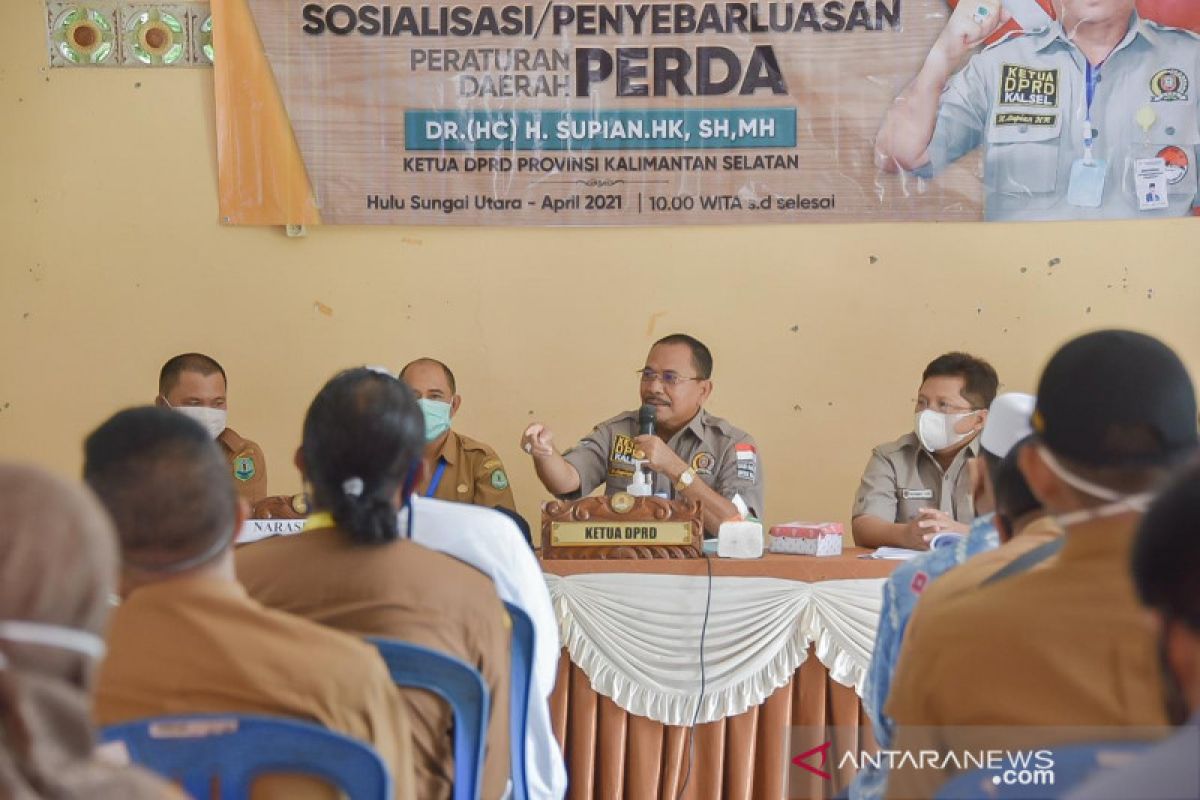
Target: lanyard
<point x="437" y="478"/>
<point x="1092" y="78"/>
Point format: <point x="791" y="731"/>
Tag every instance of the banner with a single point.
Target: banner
<point x="653" y="112"/>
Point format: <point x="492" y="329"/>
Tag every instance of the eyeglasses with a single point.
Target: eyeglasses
<point x="944" y="407"/>
<point x="668" y="377"/>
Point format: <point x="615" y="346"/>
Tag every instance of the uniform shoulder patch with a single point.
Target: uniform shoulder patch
<point x="499" y="480"/>
<point x="491" y="464"/>
<point x="243" y="467"/>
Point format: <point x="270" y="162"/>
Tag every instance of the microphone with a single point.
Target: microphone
<point x="647" y="415"/>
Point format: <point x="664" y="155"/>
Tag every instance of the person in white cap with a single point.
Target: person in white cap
<point x="1007" y="424"/>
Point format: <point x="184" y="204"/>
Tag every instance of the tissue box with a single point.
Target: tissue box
<point x="807" y="538"/>
<point x="740" y="540"/>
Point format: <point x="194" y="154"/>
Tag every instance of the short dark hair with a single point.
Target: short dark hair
<point x="1166" y="552"/>
<point x="427" y="360"/>
<point x="168" y="376"/>
<point x="1014" y="498"/>
<point x="363" y="425"/>
<point x="702" y="359"/>
<point x="166" y="484"/>
<point x="980" y="382"/>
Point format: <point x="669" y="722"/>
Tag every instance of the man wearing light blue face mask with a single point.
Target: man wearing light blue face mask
<point x="457" y="467"/>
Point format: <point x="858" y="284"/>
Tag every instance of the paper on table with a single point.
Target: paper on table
<point x="893" y="554"/>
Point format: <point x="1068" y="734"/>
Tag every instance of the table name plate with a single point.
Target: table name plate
<point x="621" y="526"/>
<point x="590" y="534"/>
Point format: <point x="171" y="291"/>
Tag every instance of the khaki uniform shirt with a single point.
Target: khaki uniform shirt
<point x="402" y="591"/>
<point x="1065" y="644"/>
<point x="1024" y="100"/>
<point x="197" y="644"/>
<point x="724" y="457"/>
<point x="247" y="464"/>
<point x="472" y="474"/>
<point x="902" y="477"/>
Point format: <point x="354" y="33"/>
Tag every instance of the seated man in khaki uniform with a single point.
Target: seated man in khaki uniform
<point x="457" y="467"/>
<point x="187" y="637"/>
<point x="919" y="485"/>
<point x="693" y="454"/>
<point x="194" y="384"/>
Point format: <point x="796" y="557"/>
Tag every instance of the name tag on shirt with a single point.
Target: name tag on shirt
<point x="916" y="494"/>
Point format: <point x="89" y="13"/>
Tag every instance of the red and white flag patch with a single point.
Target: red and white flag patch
<point x="747" y="461"/>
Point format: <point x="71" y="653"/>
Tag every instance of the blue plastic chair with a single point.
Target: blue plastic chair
<point x="520" y="681"/>
<point x="1073" y="764"/>
<point x="461" y="686"/>
<point x="236" y="748"/>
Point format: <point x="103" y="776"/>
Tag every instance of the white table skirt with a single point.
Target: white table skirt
<point x="637" y="637"/>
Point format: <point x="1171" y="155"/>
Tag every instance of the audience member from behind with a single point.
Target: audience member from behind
<point x="195" y="385"/>
<point x="1066" y="642"/>
<point x="918" y="485"/>
<point x="355" y="569"/>
<point x="58" y="562"/>
<point x="456" y="467"/>
<point x="1007" y="422"/>
<point x="1166" y="572"/>
<point x="187" y="638"/>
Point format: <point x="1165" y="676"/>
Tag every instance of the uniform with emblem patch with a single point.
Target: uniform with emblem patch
<point x="470" y="472"/>
<point x="1024" y="100"/>
<point x="247" y="465"/>
<point x="723" y="456"/>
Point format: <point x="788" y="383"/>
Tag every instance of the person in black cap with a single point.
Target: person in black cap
<point x="1166" y="566"/>
<point x="1064" y="642"/>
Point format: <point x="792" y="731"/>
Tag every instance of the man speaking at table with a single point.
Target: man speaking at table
<point x="692" y="454"/>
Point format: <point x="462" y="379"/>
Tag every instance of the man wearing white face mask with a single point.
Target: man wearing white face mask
<point x="1065" y="639"/>
<point x="195" y="385"/>
<point x="457" y="467"/>
<point x="919" y="485"/>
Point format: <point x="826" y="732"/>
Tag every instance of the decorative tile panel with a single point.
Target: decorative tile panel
<point x="111" y="33"/>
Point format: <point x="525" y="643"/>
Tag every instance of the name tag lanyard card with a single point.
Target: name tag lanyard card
<point x="1086" y="188"/>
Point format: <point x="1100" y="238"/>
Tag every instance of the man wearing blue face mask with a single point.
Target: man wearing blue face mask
<point x="457" y="467"/>
<point x="919" y="486"/>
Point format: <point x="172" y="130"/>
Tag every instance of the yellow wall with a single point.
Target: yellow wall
<point x="113" y="260"/>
